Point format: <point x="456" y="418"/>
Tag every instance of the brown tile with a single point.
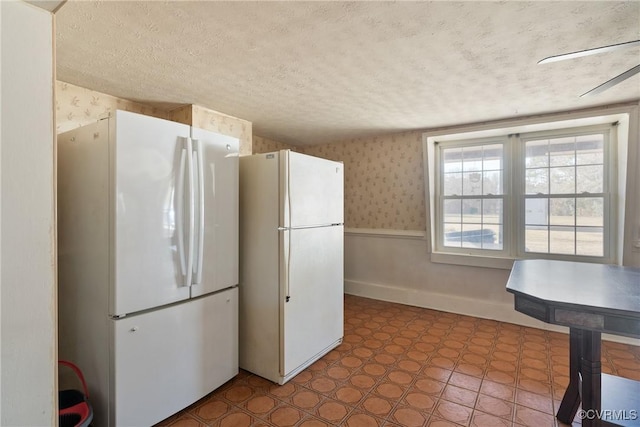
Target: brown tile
<point x="429" y="386"/>
<point x="409" y="365"/>
<point x="453" y="412"/>
<point x="236" y="419"/>
<point x="534" y="401"/>
<point x="532" y="418"/>
<point x="351" y="362"/>
<point x="238" y="393"/>
<point x="363" y="381"/>
<point x="420" y="401"/>
<point x="285" y="415"/>
<point x="465" y="381"/>
<point x="498" y="407"/>
<point x="443" y="362"/>
<point x="332" y="411"/>
<point x="338" y="373"/>
<point x="348" y="395"/>
<point x="306" y="399"/>
<point x="501" y="391"/>
<point x="374" y="369"/>
<point x="459" y="395"/>
<point x="323" y="385"/>
<point x="359" y="419"/>
<point x="187" y="420"/>
<point x="302" y="378"/>
<point x="389" y="390"/>
<point x="376" y="406"/>
<point x="409" y="417"/>
<point x="385" y="359"/>
<point x="283" y="391"/>
<point x="501" y="377"/>
<point x="439" y="422"/>
<point x="534" y="386"/>
<point x="212" y="409"/>
<point x="437" y="373"/>
<point x="481" y="419"/>
<point x="313" y="422"/>
<point x="469" y="369"/>
<point x="399" y="377"/>
<point x="260" y="405"/>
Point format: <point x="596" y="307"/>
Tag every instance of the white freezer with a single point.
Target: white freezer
<point x="291" y="263"/>
<point x="152" y="376"/>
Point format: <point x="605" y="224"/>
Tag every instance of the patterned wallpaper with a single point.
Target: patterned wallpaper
<point x="264" y="145"/>
<point x="384" y="180"/>
<point x="77" y="106"/>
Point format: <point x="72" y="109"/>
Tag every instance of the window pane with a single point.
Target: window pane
<point x="590" y="241"/>
<point x="562" y="212"/>
<point x="562" y="240"/>
<point x="471" y="211"/>
<point x="589" y="178"/>
<point x="562" y="151"/>
<point x="492" y="182"/>
<point x="537" y="181"/>
<point x="473" y="235"/>
<point x="492" y="237"/>
<point x="536" y="239"/>
<point x="492" y="211"/>
<point x="590" y="149"/>
<point x="492" y="157"/>
<point x="590" y="212"/>
<point x="536" y="211"/>
<point x="472" y="183"/>
<point x="562" y="180"/>
<point x="472" y="159"/>
<point x="453" y="210"/>
<point x="453" y="235"/>
<point x="452" y="184"/>
<point x="452" y="158"/>
<point x="537" y="154"/>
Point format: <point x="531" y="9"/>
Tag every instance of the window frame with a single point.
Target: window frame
<point x="440" y="196"/>
<point x="622" y="151"/>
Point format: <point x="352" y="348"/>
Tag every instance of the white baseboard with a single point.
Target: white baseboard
<point x="459" y="305"/>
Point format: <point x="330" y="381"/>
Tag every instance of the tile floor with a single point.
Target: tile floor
<point x="408" y="366"/>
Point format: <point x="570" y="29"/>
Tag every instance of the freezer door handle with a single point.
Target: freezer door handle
<point x="199" y="244"/>
<point x="180" y="211"/>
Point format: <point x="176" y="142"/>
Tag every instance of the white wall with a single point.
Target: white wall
<point x="27" y="230"/>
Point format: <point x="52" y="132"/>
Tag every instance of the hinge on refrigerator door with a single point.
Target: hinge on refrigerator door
<point x="287" y="299"/>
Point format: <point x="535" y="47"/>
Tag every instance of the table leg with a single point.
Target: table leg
<point x="571" y="399"/>
<point x="591" y="370"/>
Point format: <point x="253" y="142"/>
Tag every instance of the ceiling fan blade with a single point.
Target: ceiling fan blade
<point x="587" y="52"/>
<point x="614" y="81"/>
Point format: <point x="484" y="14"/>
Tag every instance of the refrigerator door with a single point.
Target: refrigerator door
<point x="146" y="258"/>
<point x="312" y="191"/>
<point x="164" y="360"/>
<point x="312" y="273"/>
<point x="215" y="264"/>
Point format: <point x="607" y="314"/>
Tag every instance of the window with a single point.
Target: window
<point x="536" y="194"/>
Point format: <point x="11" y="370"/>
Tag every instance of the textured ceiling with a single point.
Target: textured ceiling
<point x="312" y="72"/>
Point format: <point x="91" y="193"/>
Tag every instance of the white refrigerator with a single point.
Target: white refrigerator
<point x="148" y="264"/>
<point x="291" y="262"/>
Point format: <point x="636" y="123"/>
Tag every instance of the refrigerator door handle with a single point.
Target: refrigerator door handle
<point x="180" y="210"/>
<point x="199" y="165"/>
<point x="189" y="156"/>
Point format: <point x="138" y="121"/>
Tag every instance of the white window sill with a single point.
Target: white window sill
<point x="472" y="260"/>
